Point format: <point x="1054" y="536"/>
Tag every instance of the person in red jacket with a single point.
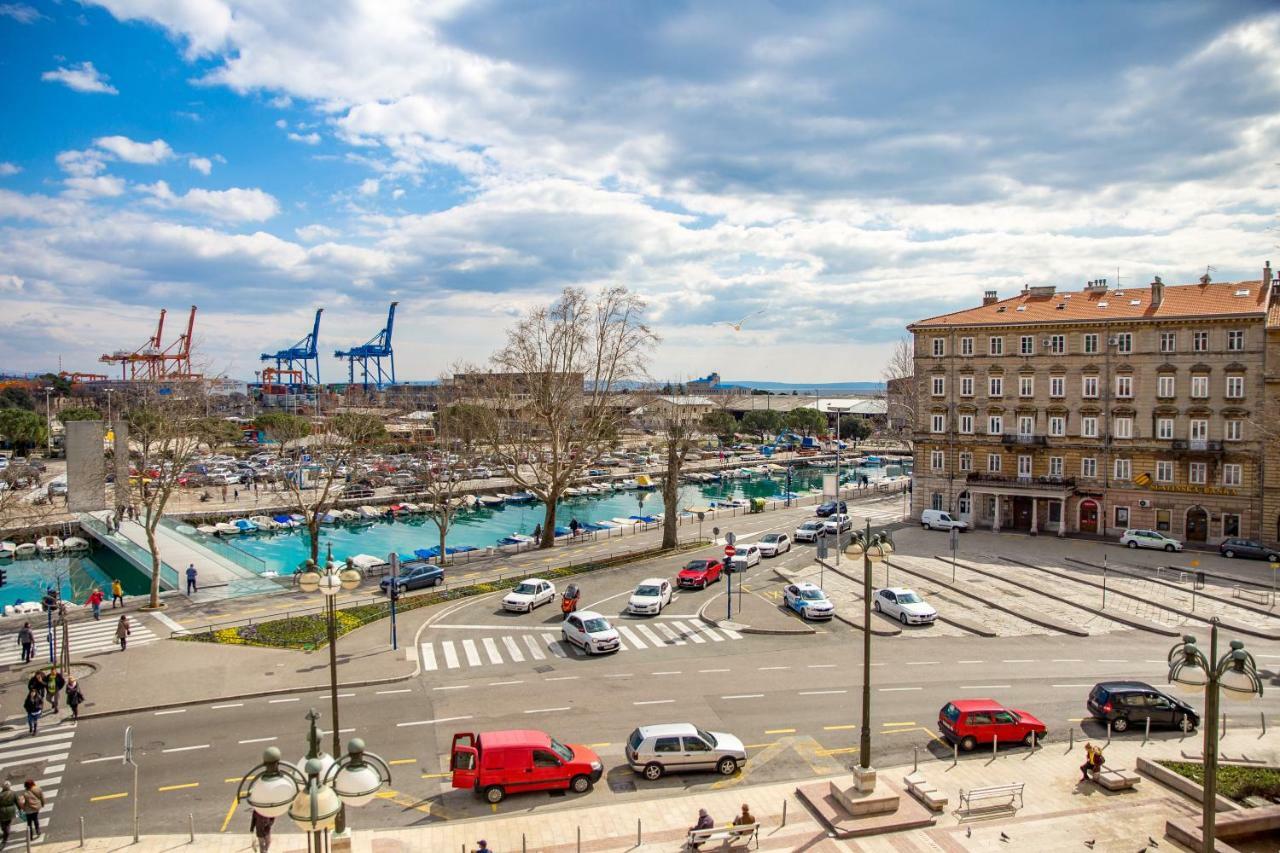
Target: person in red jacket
<point x="95" y="601"/>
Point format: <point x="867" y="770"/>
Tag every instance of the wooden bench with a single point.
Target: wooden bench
<point x="729" y="837"/>
<point x="1115" y="780"/>
<point x="925" y="792"/>
<point x="1010" y="796"/>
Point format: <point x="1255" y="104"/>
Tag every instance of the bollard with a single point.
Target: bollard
<point x="995" y="744"/>
<point x="81" y="830"/>
<point x="1108" y="733"/>
<point x="1072" y="744"/>
<point x="638" y="835"/>
<point x="579" y="839"/>
<point x="784" y="812"/>
<point x="1263" y="715"/>
<point x="915" y="759"/>
<point x="955" y="754"/>
<point x="135" y="829"/>
<point x="523" y="848"/>
<point x="1223" y="731"/>
<point x="191" y="826"/>
<point x="1146" y="736"/>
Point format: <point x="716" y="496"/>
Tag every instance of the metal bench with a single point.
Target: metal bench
<point x="925" y="792"/>
<point x="1010" y="797"/>
<point x="1115" y="780"/>
<point x="728" y="836"/>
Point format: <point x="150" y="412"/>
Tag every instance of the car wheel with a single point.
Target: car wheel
<point x="727" y="766"/>
<point x="1169" y="548"/>
<point x="1120" y="724"/>
<point x="653" y="771"/>
<point x="1132" y="544"/>
<point x="1039" y="738"/>
<point x="494" y="794"/>
<point x="580" y="784"/>
<point x="875" y="605"/>
<point x="1228" y="553"/>
<point x="968" y="743"/>
<point x="1273" y="558"/>
<point x="925" y="525"/>
<point x="902" y="617"/>
<point x="437" y="581"/>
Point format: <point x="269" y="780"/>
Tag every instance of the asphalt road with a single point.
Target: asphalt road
<point x="794" y="700"/>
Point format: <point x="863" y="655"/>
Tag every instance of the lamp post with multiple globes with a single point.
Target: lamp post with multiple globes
<point x="873" y="549"/>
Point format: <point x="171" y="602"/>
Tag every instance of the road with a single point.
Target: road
<point x="794" y="700"/>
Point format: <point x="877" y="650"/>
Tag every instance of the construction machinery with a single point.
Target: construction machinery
<point x="154" y="362"/>
<point x="369" y="356"/>
<point x="300" y="360"/>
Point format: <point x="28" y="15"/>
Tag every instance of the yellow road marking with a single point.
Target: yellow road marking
<point x="1075" y="719"/>
<point x="108" y="797"/>
<point x="840" y="751"/>
<point x="839" y="728"/>
<point x="898" y="731"/>
<point x="758" y="745"/>
<point x="779" y="731"/>
<point x="436" y="775"/>
<point x="892" y="725"/>
<point x="237" y="779"/>
<point x="226" y="820"/>
<point x="599" y="745"/>
<point x="403" y="761"/>
<point x="179" y="787"/>
<point x="386" y="795"/>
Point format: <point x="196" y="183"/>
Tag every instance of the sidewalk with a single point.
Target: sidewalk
<point x="1060" y="813"/>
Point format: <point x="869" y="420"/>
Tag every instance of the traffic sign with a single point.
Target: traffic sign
<point x="729" y="538"/>
<point x="729" y="551"/>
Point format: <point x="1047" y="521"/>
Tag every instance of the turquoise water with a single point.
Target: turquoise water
<point x="27" y="579"/>
<point x="481" y="527"/>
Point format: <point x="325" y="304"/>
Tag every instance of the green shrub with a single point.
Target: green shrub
<point x="1235" y="782"/>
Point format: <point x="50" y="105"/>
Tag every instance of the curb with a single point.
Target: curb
<point x="885" y="632"/>
<point x="747" y="629"/>
<point x="875" y="632"/>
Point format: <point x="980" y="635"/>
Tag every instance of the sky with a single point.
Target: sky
<point x="830" y="171"/>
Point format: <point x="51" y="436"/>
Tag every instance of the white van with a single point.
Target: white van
<point x="936" y="519"/>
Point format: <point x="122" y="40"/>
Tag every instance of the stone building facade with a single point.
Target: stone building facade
<point x="1103" y="409"/>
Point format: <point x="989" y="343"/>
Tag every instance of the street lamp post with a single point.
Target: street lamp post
<point x="873" y="550"/>
<point x="1235" y="674"/>
<point x="48" y="423"/>
<point x="110" y="391"/>
<point x="838" y="410"/>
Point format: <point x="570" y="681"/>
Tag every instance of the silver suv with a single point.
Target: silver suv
<point x="672" y="747"/>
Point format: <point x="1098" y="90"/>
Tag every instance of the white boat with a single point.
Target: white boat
<point x="469" y="500"/>
<point x="572" y="491"/>
<point x="411" y="509"/>
<point x="491" y="500"/>
<point x="367" y="511"/>
<point x="330" y="518"/>
<point x="628" y="483"/>
<point x="504" y="497"/>
<point x="207" y="529"/>
<point x="226" y="528"/>
<point x="262" y="522"/>
<point x="298" y="520"/>
<point x="624" y="522"/>
<point x="75" y="543"/>
<point x="346" y="514"/>
<point x="366" y="561"/>
<point x="8" y="549"/>
<point x="26" y="549"/>
<point x="49" y="545"/>
<point x="609" y="524"/>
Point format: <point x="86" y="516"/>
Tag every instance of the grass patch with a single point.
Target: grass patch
<point x="305" y="633"/>
<point x="1235" y="782"/>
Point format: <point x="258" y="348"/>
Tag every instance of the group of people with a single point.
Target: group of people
<point x="26" y="802"/>
<point x="48" y="687"/>
<point x="745" y="818"/>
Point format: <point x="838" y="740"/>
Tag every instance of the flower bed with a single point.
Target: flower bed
<point x="1235" y="781"/>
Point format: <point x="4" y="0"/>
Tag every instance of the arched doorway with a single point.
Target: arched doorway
<point x="1088" y="516"/>
<point x="1197" y="524"/>
<point x="964" y="508"/>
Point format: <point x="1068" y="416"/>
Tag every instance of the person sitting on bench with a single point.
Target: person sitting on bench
<point x="746" y="818"/>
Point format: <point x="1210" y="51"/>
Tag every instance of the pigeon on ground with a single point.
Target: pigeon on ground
<point x="1090" y="843"/>
<point x="1004" y="837"/>
<point x="1151" y="842"/>
<point x="968" y="832"/>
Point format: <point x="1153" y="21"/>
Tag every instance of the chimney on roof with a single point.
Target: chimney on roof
<point x="1157" y="292"/>
<point x="1205" y="279"/>
<point x="990" y="297"/>
<point x="1266" y="275"/>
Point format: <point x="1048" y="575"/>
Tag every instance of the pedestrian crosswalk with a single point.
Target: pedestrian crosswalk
<point x="41" y="757"/>
<point x="87" y="637"/>
<point x="548" y="645"/>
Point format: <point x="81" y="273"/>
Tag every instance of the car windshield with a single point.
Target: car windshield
<point x="561" y="750"/>
<point x="706" y="736"/>
<point x="811" y="525"/>
<point x="951" y="712"/>
<point x="908" y="598"/>
<point x="812" y="594"/>
<point x="593" y="626"/>
<point x="647" y="591"/>
<point x="696" y="565"/>
<point x="770" y="537"/>
<point x="526" y="589"/>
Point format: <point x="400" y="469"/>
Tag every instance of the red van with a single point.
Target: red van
<point x="494" y="763"/>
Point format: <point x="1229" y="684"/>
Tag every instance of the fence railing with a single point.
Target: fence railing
<point x="130" y="550"/>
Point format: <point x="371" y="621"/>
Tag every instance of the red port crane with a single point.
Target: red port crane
<point x="153" y="362"/>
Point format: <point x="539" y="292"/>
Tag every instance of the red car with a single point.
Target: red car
<point x="969" y="722"/>
<point x="697" y="574"/>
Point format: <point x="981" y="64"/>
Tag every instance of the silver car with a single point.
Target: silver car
<point x="673" y="747"/>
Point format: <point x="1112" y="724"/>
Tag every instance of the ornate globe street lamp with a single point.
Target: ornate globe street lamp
<point x="872" y="550"/>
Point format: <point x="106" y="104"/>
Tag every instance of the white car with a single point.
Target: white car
<point x="773" y="544"/>
<point x="936" y="519"/>
<point x="809" y="531"/>
<point x="529" y="594"/>
<point x="1149" y="539"/>
<point x="837" y="523"/>
<point x="591" y="632"/>
<point x="904" y="605"/>
<point x="651" y="595"/>
<point x="808" y="600"/>
<point x="744" y="558"/>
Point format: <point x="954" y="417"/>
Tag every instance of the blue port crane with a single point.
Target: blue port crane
<point x="302" y="356"/>
<point x="370" y="356"/>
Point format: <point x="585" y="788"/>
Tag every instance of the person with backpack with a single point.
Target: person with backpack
<point x="75" y="697"/>
<point x="31" y="801"/>
<point x="27" y="639"/>
<point x="34" y="705"/>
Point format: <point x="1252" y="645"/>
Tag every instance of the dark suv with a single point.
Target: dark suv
<point x="1126" y="703"/>
<point x="829" y="508"/>
<point x="1251" y="548"/>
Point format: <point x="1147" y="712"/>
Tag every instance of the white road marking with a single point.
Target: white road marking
<point x="1071" y="685"/>
<point x="820" y="666"/>
<point x="428" y="657"/>
<point x="503" y="683"/>
<point x="731" y="634"/>
<point x="278" y="701"/>
<point x="173" y="711"/>
<point x="984" y="687"/>
<point x="103" y="758"/>
<point x="399" y="690"/>
<point x="562" y="678"/>
<point x="1018" y="660"/>
<point x="1112" y="660"/>
<point x="491" y="649"/>
<point x="631" y="637"/>
<point x="509" y="643"/>
<point x="898" y="689"/>
<point x="650" y="636"/>
<point x="431" y="722"/>
<point x="655" y="702"/>
<point x="186" y="748"/>
<point x="554" y="645"/>
<point x="453" y="687"/>
<point x="688" y="633"/>
<point x="258" y="740"/>
<point x="703" y="671"/>
<point x="619" y="675"/>
<point x="473" y="654"/>
<point x="450" y="654"/>
<point x="744" y="696"/>
<point x="765" y="668"/>
<point x="970" y="661"/>
<point x="922" y="663"/>
<point x="546" y="710"/>
<point x="819" y="692"/>
<point x="534" y="649"/>
<point x="228" y="705"/>
<point x="1067" y="660"/>
<point x="667" y="672"/>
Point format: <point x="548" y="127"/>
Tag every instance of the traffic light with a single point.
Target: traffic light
<point x="3" y="578"/>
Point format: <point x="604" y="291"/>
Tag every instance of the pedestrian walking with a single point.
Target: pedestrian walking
<point x="191" y="578"/>
<point x="75" y="697"/>
<point x="260" y="826"/>
<point x="537" y="533"/>
<point x="8" y="810"/>
<point x="27" y="639"/>
<point x="31" y="801"/>
<point x="95" y="601"/>
<point x="484" y="847"/>
<point x="122" y="632"/>
<point x="39" y="684"/>
<point x="33" y="706"/>
<point x="117" y="593"/>
<point x="236" y="493"/>
<point x="56" y="682"/>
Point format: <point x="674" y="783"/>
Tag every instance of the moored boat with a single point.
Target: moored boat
<point x="49" y="545"/>
<point x="25" y="549"/>
<point x="226" y="528"/>
<point x="75" y="543"/>
<point x="8" y="550"/>
<point x="261" y="522"/>
<point x="207" y="529"/>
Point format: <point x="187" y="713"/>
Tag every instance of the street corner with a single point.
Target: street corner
<point x="754" y="613"/>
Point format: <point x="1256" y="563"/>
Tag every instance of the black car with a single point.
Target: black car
<point x="829" y="508"/>
<point x="1130" y="703"/>
<point x="1251" y="548"/>
<point x="416" y="576"/>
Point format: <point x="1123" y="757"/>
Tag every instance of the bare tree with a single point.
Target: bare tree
<point x="554" y="386"/>
<point x="679" y="430"/>
<point x="458" y="427"/>
<point x="902" y="394"/>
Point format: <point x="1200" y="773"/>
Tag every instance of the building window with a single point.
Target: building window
<point x="939" y="386"/>
<point x="1164" y="428"/>
<point x="1230" y="524"/>
<point x="1167" y="387"/>
<point x="966" y="346"/>
<point x="1027" y="345"/>
<point x="966" y="461"/>
<point x="1168" y="342"/>
<point x="995" y="425"/>
<point x="1055" y="466"/>
<point x="966" y="424"/>
<point x="1164" y="472"/>
<point x="1089" y="427"/>
<point x="1232" y="474"/>
<point x="936" y="501"/>
<point x="1026" y="425"/>
<point x="1233" y="429"/>
<point x="1235" y="340"/>
<point x="995" y="346"/>
<point x="1024" y="467"/>
<point x="1163" y="520"/>
<point x="962" y="503"/>
<point x="939" y="347"/>
<point x="1124" y="427"/>
<point x="966" y="386"/>
<point x="1124" y="342"/>
<point x="1124" y="386"/>
<point x="1235" y="387"/>
<point x="995" y="386"/>
<point x="937" y="460"/>
<point x="939" y="423"/>
<point x="1057" y="425"/>
<point x="1199" y="429"/>
<point x="1122" y="516"/>
<point x="1057" y="344"/>
<point x="1057" y="386"/>
<point x="1088" y="466"/>
<point x="1199" y="387"/>
<point x="1197" y="473"/>
<point x="993" y="463"/>
<point x="1123" y="469"/>
<point x="1200" y="341"/>
<point x="1090" y="343"/>
<point x="1089" y="387"/>
<point x="1026" y="386"/>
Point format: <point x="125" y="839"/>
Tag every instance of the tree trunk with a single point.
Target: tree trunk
<point x="548" y="539"/>
<point x="670" y="490"/>
<point x="155" y="563"/>
<point x="444" y="529"/>
<point x="313" y="528"/>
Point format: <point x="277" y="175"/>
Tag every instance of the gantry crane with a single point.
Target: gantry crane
<point x="301" y="359"/>
<point x="152" y="361"/>
<point x="370" y="356"/>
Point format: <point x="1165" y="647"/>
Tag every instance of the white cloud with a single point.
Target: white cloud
<point x="126" y="149"/>
<point x="20" y="12"/>
<point x="312" y="138"/>
<point x="7" y="169"/>
<point x="11" y="282"/>
<point x="316" y="232"/>
<point x="231" y="205"/>
<point x="203" y="165"/>
<point x="83" y="78"/>
<point x="81" y="163"/>
<point x="104" y="186"/>
<point x="369" y="186"/>
<point x="281" y="102"/>
<point x="281" y="123"/>
<point x="397" y="193"/>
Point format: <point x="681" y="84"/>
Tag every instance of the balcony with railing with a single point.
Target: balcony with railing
<point x="1200" y="445"/>
<point x="1027" y="440"/>
<point x="1042" y="483"/>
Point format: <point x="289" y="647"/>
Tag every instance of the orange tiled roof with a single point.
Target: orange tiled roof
<point x="1217" y="299"/>
<point x="1273" y="316"/>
